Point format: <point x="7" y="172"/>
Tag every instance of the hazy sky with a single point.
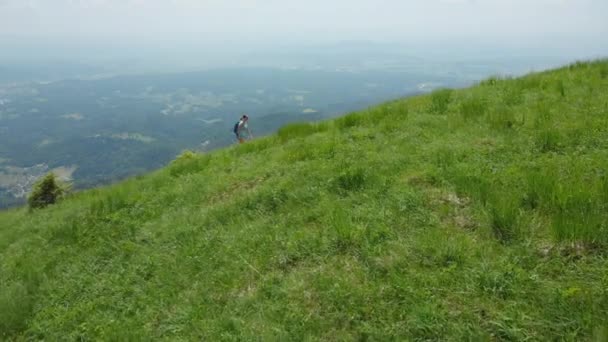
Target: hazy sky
<point x="311" y="20"/>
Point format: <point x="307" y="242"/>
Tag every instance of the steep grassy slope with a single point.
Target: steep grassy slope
<point x="468" y="214"/>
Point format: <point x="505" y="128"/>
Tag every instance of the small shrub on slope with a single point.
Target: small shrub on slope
<point x="46" y="191"/>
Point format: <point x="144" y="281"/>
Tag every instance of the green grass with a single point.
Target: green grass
<point x="440" y="100"/>
<point x="472" y="109"/>
<point x="472" y="214"/>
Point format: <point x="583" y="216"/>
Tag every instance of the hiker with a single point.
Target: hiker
<point x="241" y="129"/>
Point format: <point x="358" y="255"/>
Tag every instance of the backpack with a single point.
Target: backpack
<point x="236" y="128"/>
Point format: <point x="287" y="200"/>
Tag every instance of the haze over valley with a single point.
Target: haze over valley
<point x="95" y="126"/>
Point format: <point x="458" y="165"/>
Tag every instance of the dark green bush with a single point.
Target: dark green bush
<point x="46" y="191"/>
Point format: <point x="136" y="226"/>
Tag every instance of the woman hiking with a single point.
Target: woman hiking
<point x="241" y="129"/>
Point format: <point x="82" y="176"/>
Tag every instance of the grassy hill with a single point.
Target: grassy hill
<point x="474" y="214"/>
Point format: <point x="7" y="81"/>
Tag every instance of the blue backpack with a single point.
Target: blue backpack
<point x="236" y="128"/>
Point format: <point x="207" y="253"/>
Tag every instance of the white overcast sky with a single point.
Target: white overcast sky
<point x="306" y="19"/>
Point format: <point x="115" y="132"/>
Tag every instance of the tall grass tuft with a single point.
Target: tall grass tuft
<point x="350" y="180"/>
<point x="604" y="189"/>
<point x="502" y="117"/>
<point x="604" y="71"/>
<point x="15" y="308"/>
<point x="561" y="88"/>
<point x="513" y="95"/>
<point x="350" y="120"/>
<point x="540" y="189"/>
<point x="345" y="237"/>
<point x="504" y="214"/>
<point x="578" y="65"/>
<point x="529" y="82"/>
<point x="440" y="100"/>
<point x="581" y="218"/>
<point x="490" y="81"/>
<point x="542" y="115"/>
<point x="575" y="202"/>
<point x="300" y="129"/>
<point x="114" y="199"/>
<point x="472" y="186"/>
<point x="378" y="113"/>
<point x="255" y="146"/>
<point x="444" y="158"/>
<point x="399" y="110"/>
<point x="473" y="108"/>
<point x="188" y="162"/>
<point x="499" y="283"/>
<point x="267" y="201"/>
<point x="548" y="140"/>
